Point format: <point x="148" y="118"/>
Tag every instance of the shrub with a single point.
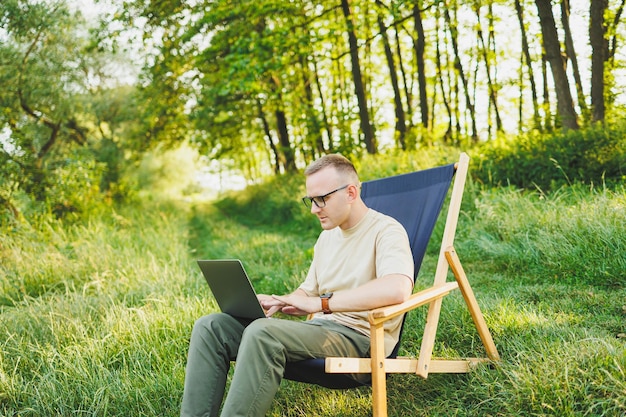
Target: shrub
<point x="596" y="155"/>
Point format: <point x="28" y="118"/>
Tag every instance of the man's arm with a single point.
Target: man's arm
<point x="388" y="290"/>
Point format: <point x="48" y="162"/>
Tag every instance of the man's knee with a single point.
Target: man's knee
<point x="263" y="333"/>
<point x="219" y="325"/>
<point x="259" y="328"/>
<point x="208" y="323"/>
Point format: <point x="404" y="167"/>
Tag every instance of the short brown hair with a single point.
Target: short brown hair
<point x="342" y="164"/>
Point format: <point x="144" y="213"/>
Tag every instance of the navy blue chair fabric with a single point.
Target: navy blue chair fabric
<point x="415" y="200"/>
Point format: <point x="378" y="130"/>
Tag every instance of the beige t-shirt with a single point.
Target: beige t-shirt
<point x="343" y="259"/>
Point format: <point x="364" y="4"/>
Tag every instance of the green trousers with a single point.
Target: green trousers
<point x="261" y="349"/>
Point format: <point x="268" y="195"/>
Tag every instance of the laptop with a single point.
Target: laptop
<point x="232" y="288"/>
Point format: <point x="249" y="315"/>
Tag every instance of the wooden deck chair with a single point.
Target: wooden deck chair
<point x="415" y="200"/>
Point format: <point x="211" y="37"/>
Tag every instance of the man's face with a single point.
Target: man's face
<point x="335" y="204"/>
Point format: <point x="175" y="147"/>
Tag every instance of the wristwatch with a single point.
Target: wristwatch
<point x="325" y="297"/>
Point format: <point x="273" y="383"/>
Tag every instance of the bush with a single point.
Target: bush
<point x="596" y="155"/>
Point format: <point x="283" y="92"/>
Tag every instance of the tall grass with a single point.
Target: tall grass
<point x="96" y="315"/>
<point x="574" y="235"/>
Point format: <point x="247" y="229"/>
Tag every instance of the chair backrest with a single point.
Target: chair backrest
<point x="415" y="200"/>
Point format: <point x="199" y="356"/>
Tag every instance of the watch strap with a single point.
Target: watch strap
<point x="325" y="305"/>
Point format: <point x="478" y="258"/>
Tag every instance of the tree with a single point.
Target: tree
<point x="599" y="55"/>
<point x="570" y="53"/>
<point x="420" y="48"/>
<point x="484" y="50"/>
<point x="46" y="65"/>
<point x="612" y="48"/>
<point x="293" y="80"/>
<point x="445" y="88"/>
<point x="366" y="126"/>
<point x="527" y="60"/>
<point x="460" y="72"/>
<point x="565" y="104"/>
<point x="401" y="127"/>
<point x="312" y="120"/>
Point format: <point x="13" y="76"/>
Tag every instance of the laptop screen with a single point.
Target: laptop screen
<point x="231" y="288"/>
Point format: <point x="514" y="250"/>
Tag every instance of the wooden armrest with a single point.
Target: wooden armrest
<point x="415" y="300"/>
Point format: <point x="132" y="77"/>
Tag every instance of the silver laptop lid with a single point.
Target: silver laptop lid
<point x="231" y="288"/>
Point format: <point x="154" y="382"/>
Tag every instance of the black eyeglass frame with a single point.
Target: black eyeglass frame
<point x="309" y="201"/>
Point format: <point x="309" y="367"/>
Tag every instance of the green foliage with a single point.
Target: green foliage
<point x="76" y="186"/>
<point x="166" y="174"/>
<point x="596" y="155"/>
<point x="58" y="147"/>
<point x="71" y="191"/>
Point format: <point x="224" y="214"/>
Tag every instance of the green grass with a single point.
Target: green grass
<point x="96" y="316"/>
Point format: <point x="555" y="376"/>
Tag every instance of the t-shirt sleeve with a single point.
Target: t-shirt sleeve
<point x="393" y="253"/>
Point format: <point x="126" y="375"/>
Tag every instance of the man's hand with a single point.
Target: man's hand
<point x="294" y="304"/>
<point x="270" y="304"/>
<point x="298" y="304"/>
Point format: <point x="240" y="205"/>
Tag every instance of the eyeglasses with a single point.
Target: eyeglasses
<point x="320" y="200"/>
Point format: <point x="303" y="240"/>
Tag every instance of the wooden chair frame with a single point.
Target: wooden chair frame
<point x="378" y="365"/>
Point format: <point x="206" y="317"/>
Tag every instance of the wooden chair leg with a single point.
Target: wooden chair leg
<point x="428" y="339"/>
<point x="379" y="375"/>
<point x="472" y="304"/>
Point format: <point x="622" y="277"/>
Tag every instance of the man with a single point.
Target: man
<point x="362" y="260"/>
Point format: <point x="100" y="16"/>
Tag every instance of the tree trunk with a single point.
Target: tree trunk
<point x="327" y="126"/>
<point x="285" y="149"/>
<point x="268" y="135"/>
<point x="599" y="48"/>
<point x="444" y="97"/>
<point x="420" y="47"/>
<point x="570" y="53"/>
<point x="4" y="202"/>
<point x="490" y="83"/>
<point x="547" y="111"/>
<point x="565" y="104"/>
<point x="397" y="98"/>
<point x="342" y="103"/>
<point x="314" y="131"/>
<point x="285" y="145"/>
<point x="359" y="89"/>
<point x="461" y="73"/>
<point x="613" y="43"/>
<point x="405" y="82"/>
<point x="529" y="67"/>
<point x="520" y="104"/>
